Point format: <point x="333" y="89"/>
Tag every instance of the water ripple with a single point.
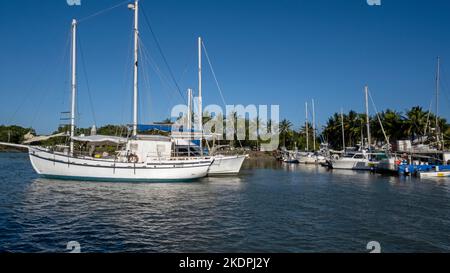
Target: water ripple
<point x="269" y="208"/>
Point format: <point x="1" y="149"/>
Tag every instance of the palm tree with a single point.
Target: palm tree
<point x="393" y="123"/>
<point x="285" y="130"/>
<point x="416" y="122"/>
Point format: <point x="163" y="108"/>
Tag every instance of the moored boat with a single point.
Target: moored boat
<point x="137" y="158"/>
<point x="354" y="161"/>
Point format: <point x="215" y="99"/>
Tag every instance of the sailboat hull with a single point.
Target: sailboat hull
<point x="49" y="164"/>
<point x="226" y="165"/>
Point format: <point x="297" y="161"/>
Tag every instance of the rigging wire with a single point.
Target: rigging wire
<point x="186" y="67"/>
<point x="428" y="116"/>
<point x="147" y="59"/>
<point x="146" y="80"/>
<point x="162" y="53"/>
<point x="102" y="11"/>
<point x="214" y="74"/>
<point x="444" y="84"/>
<point x="87" y="82"/>
<point x="217" y="82"/>
<point x="378" y="116"/>
<point x="155" y="68"/>
<point x="46" y="86"/>
<point x="43" y="71"/>
<point x="126" y="80"/>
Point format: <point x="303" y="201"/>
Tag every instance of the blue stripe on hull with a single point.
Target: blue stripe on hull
<point x="94" y="179"/>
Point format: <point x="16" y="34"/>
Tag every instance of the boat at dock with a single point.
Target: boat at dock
<point x="224" y="164"/>
<point x="290" y="157"/>
<point x="191" y="142"/>
<point x="435" y="172"/>
<point x="413" y="162"/>
<point x="311" y="158"/>
<point x="137" y="158"/>
<point x="362" y="161"/>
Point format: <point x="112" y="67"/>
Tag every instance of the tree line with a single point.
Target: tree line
<point x="414" y="123"/>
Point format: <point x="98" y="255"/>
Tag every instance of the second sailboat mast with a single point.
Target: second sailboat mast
<point x="74" y="84"/>
<point x="135" y="7"/>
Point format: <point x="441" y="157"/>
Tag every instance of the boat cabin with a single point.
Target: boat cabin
<point x="149" y="147"/>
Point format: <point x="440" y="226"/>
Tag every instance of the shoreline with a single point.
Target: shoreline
<point x="12" y="150"/>
<point x="253" y="155"/>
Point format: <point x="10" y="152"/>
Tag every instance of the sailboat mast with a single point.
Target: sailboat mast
<point x="314" y="126"/>
<point x="189" y="120"/>
<point x="135" y="7"/>
<point x="200" y="99"/>
<point x="343" y="132"/>
<point x="189" y="114"/>
<point x="306" y="126"/>
<point x="366" y="90"/>
<point x="74" y="83"/>
<point x="437" y="99"/>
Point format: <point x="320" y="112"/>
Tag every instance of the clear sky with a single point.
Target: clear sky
<point x="264" y="52"/>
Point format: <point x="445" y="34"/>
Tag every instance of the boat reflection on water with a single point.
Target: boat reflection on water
<point x="308" y="209"/>
<point x="264" y="163"/>
<point x="144" y="217"/>
<point x="304" y="168"/>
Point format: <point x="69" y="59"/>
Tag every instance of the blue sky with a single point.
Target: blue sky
<point x="264" y="52"/>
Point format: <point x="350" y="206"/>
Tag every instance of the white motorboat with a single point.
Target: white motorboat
<point x="311" y="158"/>
<point x="362" y="159"/>
<point x="434" y="174"/>
<point x="354" y="161"/>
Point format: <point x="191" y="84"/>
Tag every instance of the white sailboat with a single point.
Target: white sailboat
<point x="308" y="157"/>
<point x="223" y="164"/>
<point x="360" y="160"/>
<point x="142" y="158"/>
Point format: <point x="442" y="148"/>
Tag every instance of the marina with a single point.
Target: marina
<point x="305" y="207"/>
<point x="224" y="127"/>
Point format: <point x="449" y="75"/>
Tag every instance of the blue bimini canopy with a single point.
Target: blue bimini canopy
<point x="162" y="127"/>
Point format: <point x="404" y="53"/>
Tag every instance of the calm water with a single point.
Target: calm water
<point x="268" y="208"/>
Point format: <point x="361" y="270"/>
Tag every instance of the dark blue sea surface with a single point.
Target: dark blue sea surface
<point x="270" y="207"/>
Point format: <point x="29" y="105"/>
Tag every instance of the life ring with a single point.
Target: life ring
<point x="133" y="158"/>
